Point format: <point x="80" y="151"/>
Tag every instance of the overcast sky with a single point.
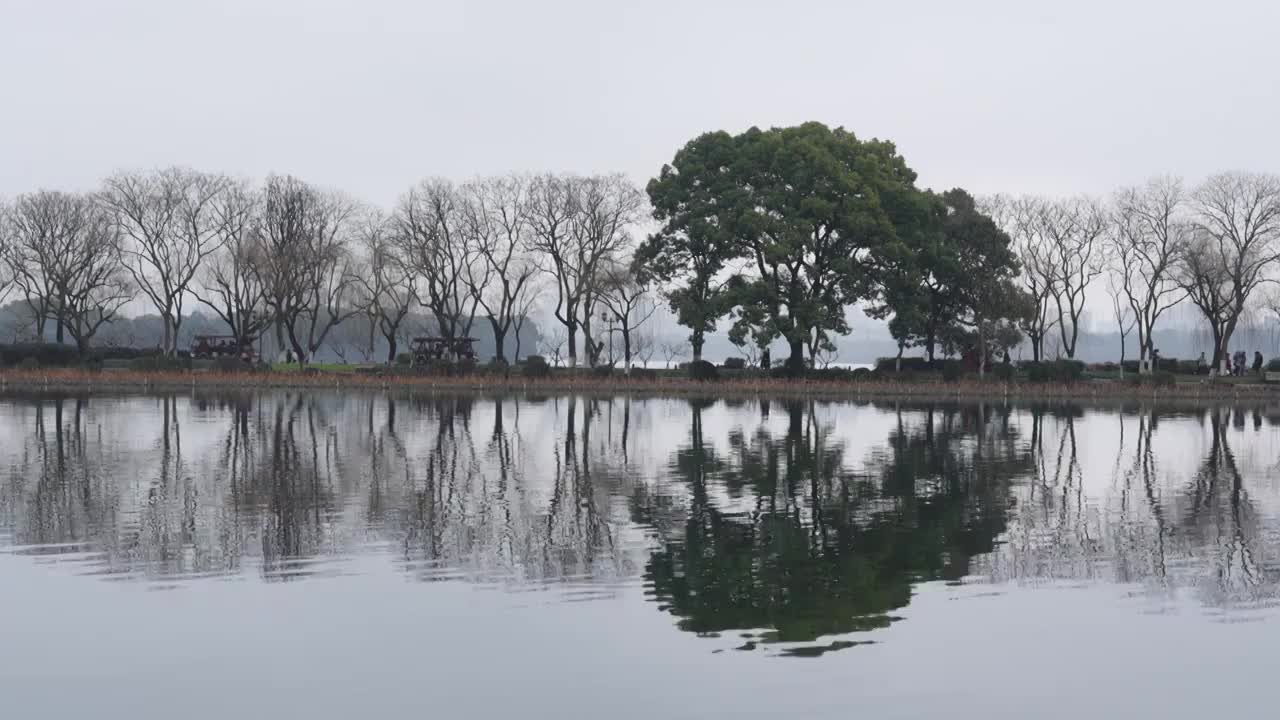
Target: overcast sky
<point x="370" y="96"/>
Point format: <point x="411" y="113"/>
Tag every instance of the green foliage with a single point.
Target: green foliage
<point x="1054" y="371"/>
<point x="29" y="363"/>
<point x="44" y="354"/>
<point x="912" y="364"/>
<point x="404" y="359"/>
<point x="647" y="374"/>
<point x="602" y="371"/>
<point x="703" y="370"/>
<point x="958" y="274"/>
<point x="861" y="374"/>
<point x="160" y="363"/>
<point x="832" y="374"/>
<point x="951" y="370"/>
<point x="812" y="210"/>
<point x="735" y="363"/>
<point x="1003" y="372"/>
<point x="535" y="366"/>
<point x="231" y="365"/>
<point x="1273" y="365"/>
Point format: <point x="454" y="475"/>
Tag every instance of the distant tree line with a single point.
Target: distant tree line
<point x="779" y="232"/>
<point x="295" y="261"/>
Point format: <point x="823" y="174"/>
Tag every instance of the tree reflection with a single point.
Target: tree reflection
<point x="1203" y="534"/>
<point x="820" y="549"/>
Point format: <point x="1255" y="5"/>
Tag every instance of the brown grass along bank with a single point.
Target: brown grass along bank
<point x="15" y="380"/>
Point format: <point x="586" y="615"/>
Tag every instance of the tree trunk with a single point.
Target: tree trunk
<point x="499" y="340"/>
<point x="795" y="363"/>
<point x="696" y="341"/>
<point x="573" y="344"/>
<point x="391" y="349"/>
<point x="626" y="348"/>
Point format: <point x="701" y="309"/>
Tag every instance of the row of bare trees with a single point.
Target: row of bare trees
<point x="1156" y="245"/>
<point x="290" y="258"/>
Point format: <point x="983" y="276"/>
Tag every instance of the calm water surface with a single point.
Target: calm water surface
<point x="365" y="555"/>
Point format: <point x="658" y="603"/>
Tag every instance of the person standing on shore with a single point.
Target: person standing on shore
<point x="1257" y="363"/>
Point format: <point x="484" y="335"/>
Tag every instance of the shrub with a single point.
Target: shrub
<point x="832" y="374"/>
<point x="861" y="373"/>
<point x="159" y="363"/>
<point x="45" y="354"/>
<point x="951" y="369"/>
<point x="703" y="370"/>
<point x="1187" y="367"/>
<point x="29" y="363"/>
<point x="404" y="359"/>
<point x="640" y="373"/>
<point x="231" y="365"/>
<point x="914" y="364"/>
<point x="1273" y="365"/>
<point x="1003" y="372"/>
<point x="602" y="371"/>
<point x="735" y="363"/>
<point x="1163" y="378"/>
<point x="1061" y="371"/>
<point x="535" y="366"/>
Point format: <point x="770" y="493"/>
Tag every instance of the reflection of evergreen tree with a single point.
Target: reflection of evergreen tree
<point x="826" y="550"/>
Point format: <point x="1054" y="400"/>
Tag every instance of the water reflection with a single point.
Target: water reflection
<point x="795" y="526"/>
<point x="825" y="546"/>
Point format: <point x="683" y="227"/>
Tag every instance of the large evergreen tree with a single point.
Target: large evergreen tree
<point x="809" y="211"/>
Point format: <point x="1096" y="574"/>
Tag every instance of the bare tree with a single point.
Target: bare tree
<point x="1205" y="280"/>
<point x="38" y="226"/>
<point x="643" y="347"/>
<point x="1121" y="311"/>
<point x="497" y="226"/>
<point x="1021" y="219"/>
<point x="577" y="224"/>
<point x="1237" y="216"/>
<point x="429" y="221"/>
<point x="169" y="224"/>
<point x="65" y="255"/>
<point x="309" y="279"/>
<point x="232" y="279"/>
<point x="628" y="300"/>
<point x="553" y="345"/>
<point x="1148" y="236"/>
<point x="1074" y="231"/>
<point x="67" y="250"/>
<point x="524" y="312"/>
<point x="386" y="284"/>
<point x="672" y="350"/>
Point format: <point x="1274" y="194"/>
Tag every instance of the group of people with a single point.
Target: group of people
<point x="1237" y="363"/>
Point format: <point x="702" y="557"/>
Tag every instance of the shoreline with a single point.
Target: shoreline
<point x="70" y="380"/>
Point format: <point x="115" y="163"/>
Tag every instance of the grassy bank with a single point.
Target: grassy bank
<point x="672" y="383"/>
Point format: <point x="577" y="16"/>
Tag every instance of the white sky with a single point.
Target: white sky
<point x="371" y="96"/>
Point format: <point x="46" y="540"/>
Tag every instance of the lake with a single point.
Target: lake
<point x="339" y="555"/>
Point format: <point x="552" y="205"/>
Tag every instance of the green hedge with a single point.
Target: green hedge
<point x="535" y="366"/>
<point x="1060" y="371"/>
<point x="912" y="364"/>
<point x="703" y="370"/>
